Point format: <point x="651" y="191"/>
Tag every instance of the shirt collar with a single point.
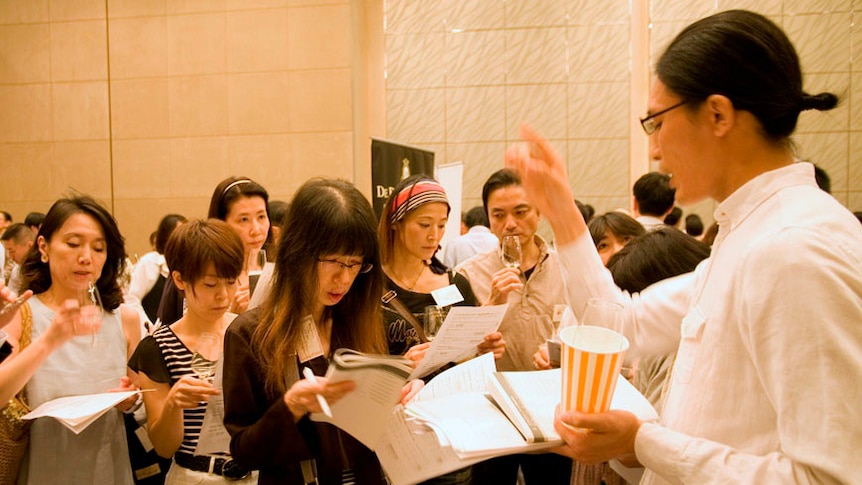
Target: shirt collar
<point x="733" y="210"/>
<point x="479" y="228"/>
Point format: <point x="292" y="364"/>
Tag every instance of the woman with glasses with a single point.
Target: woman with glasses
<point x="326" y="286"/>
<point x="769" y="346"/>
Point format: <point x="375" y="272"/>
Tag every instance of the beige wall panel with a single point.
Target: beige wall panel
<point x="598" y="167"/>
<point x="25" y="53"/>
<point x="418" y="61"/>
<point x="821" y="41"/>
<point x="136" y="8"/>
<point x="853" y="102"/>
<point x="27" y="113"/>
<point x="62" y="10"/>
<point x="22" y="166"/>
<point x="139" y="47"/>
<point x="474" y="58"/>
<point x="319" y="37"/>
<point x="79" y="51"/>
<point x="312" y="3"/>
<point x="536" y="56"/>
<point x="661" y="35"/>
<point x="265" y="159"/>
<point x="830" y="151"/>
<point x="598" y="110"/>
<point x="139" y="108"/>
<point x="766" y="7"/>
<point x="417" y="17"/>
<point x="856" y="40"/>
<point x="258" y="103"/>
<point x="837" y="119"/>
<point x="476" y="114"/>
<point x="472" y="15"/>
<point x="24" y="11"/>
<point x="603" y="204"/>
<point x="590" y="12"/>
<point x="538" y="105"/>
<point x="82" y="166"/>
<point x="480" y="161"/>
<point x="250" y="4"/>
<point x="854" y="173"/>
<point x="320" y="155"/>
<point x="535" y="13"/>
<point x="197" y="165"/>
<point x="196" y="44"/>
<point x="141" y="167"/>
<point x="198" y="105"/>
<point x="598" y="53"/>
<point x="195" y="6"/>
<point x="137" y="218"/>
<point x="416" y="115"/>
<point x="257" y="40"/>
<point x="854" y="201"/>
<point x="81" y="111"/>
<point x="320" y="100"/>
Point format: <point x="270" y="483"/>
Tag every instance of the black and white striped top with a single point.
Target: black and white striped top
<point x="165" y="359"/>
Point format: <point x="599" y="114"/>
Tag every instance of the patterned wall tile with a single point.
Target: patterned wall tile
<point x="796" y="7"/>
<point x="828" y="150"/>
<point x="25" y="51"/>
<point x="766" y="7"/>
<point x="27" y="113"/>
<point x="537" y="55"/>
<point x="331" y="153"/>
<point x="140" y="167"/>
<point x="598" y="53"/>
<point x="590" y="12"/>
<point x="475" y="58"/>
<point x="854" y="201"/>
<point x="854" y="100"/>
<point x="320" y="100"/>
<point x="416" y="115"/>
<point x="197" y="165"/>
<point x="607" y="203"/>
<point x="536" y="13"/>
<point x="473" y="15"/>
<point x="856" y="39"/>
<point x="821" y="41"/>
<point x="681" y="9"/>
<point x="265" y="158"/>
<point x="79" y="51"/>
<point x="661" y="34"/>
<point x="854" y="169"/>
<point x="414" y="16"/>
<point x="598" y="167"/>
<point x="837" y="119"/>
<point x="84" y="166"/>
<point x="599" y="110"/>
<point x="543" y="106"/>
<point x="80" y="111"/>
<point x="30" y="159"/>
<point x="196" y="44"/>
<point x="24" y="12"/>
<point x="480" y="161"/>
<point x="415" y="61"/>
<point x="475" y="114"/>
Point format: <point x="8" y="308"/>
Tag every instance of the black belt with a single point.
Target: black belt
<point x="225" y="467"/>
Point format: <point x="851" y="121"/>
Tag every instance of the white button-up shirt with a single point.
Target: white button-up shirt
<point x="768" y="377"/>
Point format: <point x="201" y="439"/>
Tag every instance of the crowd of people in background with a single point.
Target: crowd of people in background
<point x="715" y="315"/>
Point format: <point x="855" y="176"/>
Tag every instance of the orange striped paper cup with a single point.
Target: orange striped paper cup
<point x="591" y="359"/>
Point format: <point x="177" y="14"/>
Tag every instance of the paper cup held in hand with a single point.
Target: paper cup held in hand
<point x="591" y="361"/>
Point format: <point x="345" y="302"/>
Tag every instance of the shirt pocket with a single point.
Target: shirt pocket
<point x="691" y="338"/>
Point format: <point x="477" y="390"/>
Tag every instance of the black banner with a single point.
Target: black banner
<point x="392" y="163"/>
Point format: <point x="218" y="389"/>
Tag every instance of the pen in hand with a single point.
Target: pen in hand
<point x="320" y="400"/>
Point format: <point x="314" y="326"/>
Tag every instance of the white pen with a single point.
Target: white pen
<point x="323" y="404"/>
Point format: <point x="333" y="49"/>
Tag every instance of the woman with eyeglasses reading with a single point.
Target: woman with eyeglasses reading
<point x="324" y="295"/>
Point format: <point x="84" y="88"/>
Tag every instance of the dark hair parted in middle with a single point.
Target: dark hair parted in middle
<point x="196" y="245"/>
<point x="747" y="58"/>
<point x="326" y="217"/>
<point x="36" y="275"/>
<point x="621" y="226"/>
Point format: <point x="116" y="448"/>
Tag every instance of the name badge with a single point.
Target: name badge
<point x="448" y="295"/>
<point x="309" y="341"/>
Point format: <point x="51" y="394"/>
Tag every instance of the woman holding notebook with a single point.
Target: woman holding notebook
<point x="326" y="284"/>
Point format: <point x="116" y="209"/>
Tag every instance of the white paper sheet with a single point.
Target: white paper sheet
<point x="79" y="412"/>
<point x="214" y="438"/>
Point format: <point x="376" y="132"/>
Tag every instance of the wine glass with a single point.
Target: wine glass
<point x="432" y="321"/>
<point x="90" y="303"/>
<point x="256" y="261"/>
<point x="207" y="353"/>
<point x="511" y="250"/>
<point x="601" y="312"/>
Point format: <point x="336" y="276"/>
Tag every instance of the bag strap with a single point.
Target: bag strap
<point x="391" y="297"/>
<point x="26" y="326"/>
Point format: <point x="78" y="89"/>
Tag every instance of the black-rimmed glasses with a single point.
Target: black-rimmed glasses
<point x="355" y="268"/>
<point x="649" y="125"/>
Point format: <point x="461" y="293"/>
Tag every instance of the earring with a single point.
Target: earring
<point x="44" y="258"/>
